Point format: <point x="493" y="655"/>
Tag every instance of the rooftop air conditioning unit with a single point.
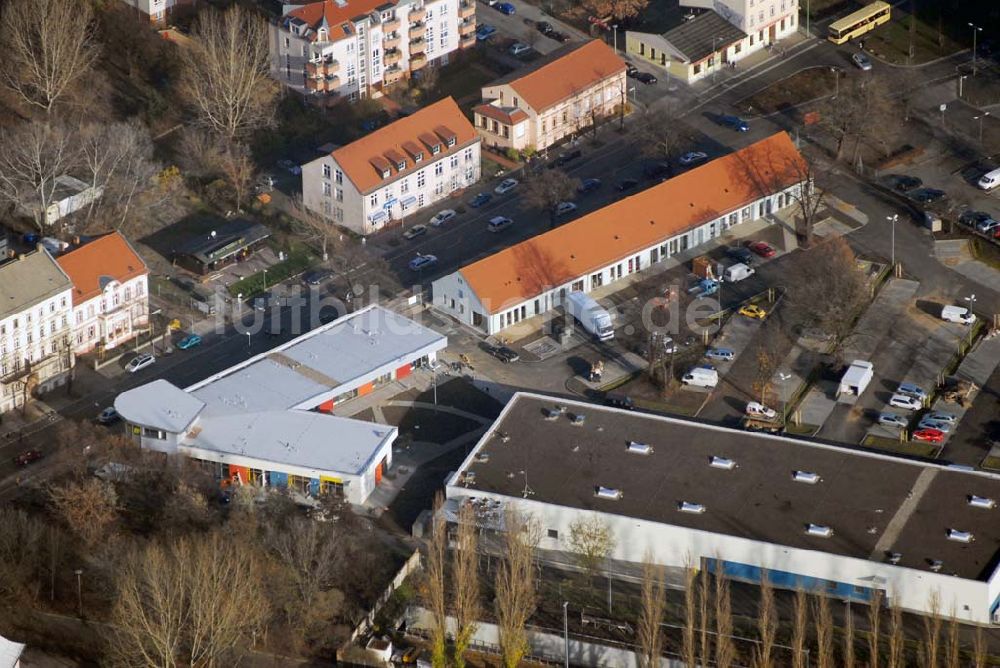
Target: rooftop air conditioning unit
<point x="960" y="536"/>
<point x="819" y="530"/>
<point x="981" y="502"/>
<point x="936" y="565"/>
<point x="552" y="414"/>
<point x="640" y="448"/>
<point x="688" y="507"/>
<point x="578" y="419"/>
<point x="609" y="493"/>
<point x="807" y="477"/>
<point x="722" y="463"/>
<point x="894" y="558"/>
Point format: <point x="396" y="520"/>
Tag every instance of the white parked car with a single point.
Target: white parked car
<point x="140" y="362"/>
<point x="517" y="48"/>
<point x="759" y="410"/>
<point x="862" y="61"/>
<point x="442" y="217"/>
<point x="505" y="186"/>
<point x="564" y="208"/>
<point x="905" y="401"/>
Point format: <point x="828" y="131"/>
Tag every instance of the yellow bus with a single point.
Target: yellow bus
<point x="860" y="22"/>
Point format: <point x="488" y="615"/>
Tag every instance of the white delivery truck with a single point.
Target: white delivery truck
<point x="856" y="379"/>
<point x="958" y="314"/>
<point x="737" y="272"/>
<point x="701" y="376"/>
<point x="592" y="316"/>
<point x="990" y="180"/>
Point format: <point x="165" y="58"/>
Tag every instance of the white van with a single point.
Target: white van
<point x="737" y="272"/>
<point x="958" y="314"/>
<point x="990" y="180"/>
<point x="701" y="377"/>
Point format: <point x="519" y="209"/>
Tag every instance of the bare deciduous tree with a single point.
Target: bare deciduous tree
<point x="238" y="167"/>
<point x="48" y="47"/>
<point x="226" y="76"/>
<point x="89" y="508"/>
<point x="823" y="622"/>
<point x="515" y="585"/>
<point x="690" y="643"/>
<point x="862" y="112"/>
<point x="435" y="584"/>
<point x="660" y="132"/>
<point x="547" y="190"/>
<point x="654" y="601"/>
<point x="979" y="656"/>
<point x="874" y="629"/>
<point x="616" y="9"/>
<point x="704" y="602"/>
<point x="725" y="651"/>
<point x="897" y="639"/>
<point x="767" y="625"/>
<point x="35" y="155"/>
<point x="800" y="627"/>
<point x="930" y="648"/>
<point x="21" y="541"/>
<point x="316" y="227"/>
<point x="197" y="601"/>
<point x="468" y="607"/>
<point x="118" y="161"/>
<point x="953" y="647"/>
<point x="592" y="542"/>
<point x="848" y="653"/>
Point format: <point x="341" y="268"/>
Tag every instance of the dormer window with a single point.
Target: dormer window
<point x="418" y="157"/>
<point x="386" y="173"/>
<point x="451" y="141"/>
<point x="401" y="165"/>
<point x="435" y="149"/>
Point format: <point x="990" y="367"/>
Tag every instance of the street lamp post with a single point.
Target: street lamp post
<point x="566" y="632"/>
<point x="248" y="340"/>
<point x="79" y="590"/>
<point x="614" y="29"/>
<point x="782" y="377"/>
<point x="893" y="218"/>
<point x="961" y="79"/>
<point x="975" y="30"/>
<point x="980" y="119"/>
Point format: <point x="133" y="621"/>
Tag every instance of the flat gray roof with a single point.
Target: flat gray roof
<point x="30" y="279"/>
<point x="858" y="495"/>
<point x="316" y="365"/>
<point x="161" y="405"/>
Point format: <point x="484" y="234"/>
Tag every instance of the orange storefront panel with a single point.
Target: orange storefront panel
<point x="366" y="389"/>
<point x="240" y="473"/>
<point x="325" y="407"/>
<point x="404" y="371"/>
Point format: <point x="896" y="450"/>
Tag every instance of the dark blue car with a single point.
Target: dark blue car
<point x="589" y="186"/>
<point x="735" y="122"/>
<point x="480" y="199"/>
<point x="506" y="8"/>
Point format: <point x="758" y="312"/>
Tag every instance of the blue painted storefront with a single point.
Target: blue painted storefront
<point x="787" y="580"/>
<point x="277" y="479"/>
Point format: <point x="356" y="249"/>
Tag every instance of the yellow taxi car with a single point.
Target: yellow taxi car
<point x="753" y="311"/>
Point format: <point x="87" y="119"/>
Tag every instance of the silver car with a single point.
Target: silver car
<point x="140" y="362"/>
<point x="927" y="423"/>
<point x="892" y="420"/>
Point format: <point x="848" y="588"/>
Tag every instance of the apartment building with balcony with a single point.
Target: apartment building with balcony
<point x="395" y="171"/>
<point x="351" y="49"/>
<point x="110" y="293"/>
<point x="562" y="95"/>
<point x="158" y="12"/>
<point x="36" y="353"/>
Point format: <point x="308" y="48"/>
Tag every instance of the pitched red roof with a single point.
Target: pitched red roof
<point x="568" y="75"/>
<point x="336" y="15"/>
<point x="512" y="117"/>
<point x="630" y="225"/>
<point x="90" y="265"/>
<point x="413" y="134"/>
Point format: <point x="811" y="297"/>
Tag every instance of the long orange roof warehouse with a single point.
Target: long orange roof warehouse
<point x="628" y="226"/>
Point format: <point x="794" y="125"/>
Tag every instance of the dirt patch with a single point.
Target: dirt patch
<point x="786" y="94"/>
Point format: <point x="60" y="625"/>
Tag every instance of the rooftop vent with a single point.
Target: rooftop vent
<point x="688" y="507"/>
<point x="469" y="478"/>
<point x="609" y="493"/>
<point x="806" y="477"/>
<point x="819" y="530"/>
<point x="894" y="558"/>
<point x="483" y="457"/>
<point x="562" y="408"/>
<point x="578" y="418"/>
<point x="640" y="448"/>
<point x="722" y="463"/>
<point x="960" y="536"/>
<point x="551" y="413"/>
<point x="936" y="565"/>
<point x="981" y="502"/>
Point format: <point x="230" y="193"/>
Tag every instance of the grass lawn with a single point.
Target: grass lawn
<point x="982" y="91"/>
<point x="892" y="41"/>
<point x="297" y="261"/>
<point x="791" y="91"/>
<point x="992" y="463"/>
<point x="914" y="448"/>
<point x="461" y="80"/>
<point x="985" y="252"/>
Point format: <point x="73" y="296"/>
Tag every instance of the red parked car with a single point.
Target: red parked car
<point x="929" y="435"/>
<point x="761" y="248"/>
<point x="27" y="457"/>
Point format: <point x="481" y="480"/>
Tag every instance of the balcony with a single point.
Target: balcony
<point x="466" y="27"/>
<point x="390" y="41"/>
<point x="418" y="30"/>
<point x="331" y="83"/>
<point x="321" y="68"/>
<point x="392" y="57"/>
<point x="418" y="61"/>
<point x="392" y="75"/>
<point x="418" y="14"/>
<point x="467" y="40"/>
<point x="466" y="9"/>
<point x="418" y="46"/>
<point x="391" y="25"/>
